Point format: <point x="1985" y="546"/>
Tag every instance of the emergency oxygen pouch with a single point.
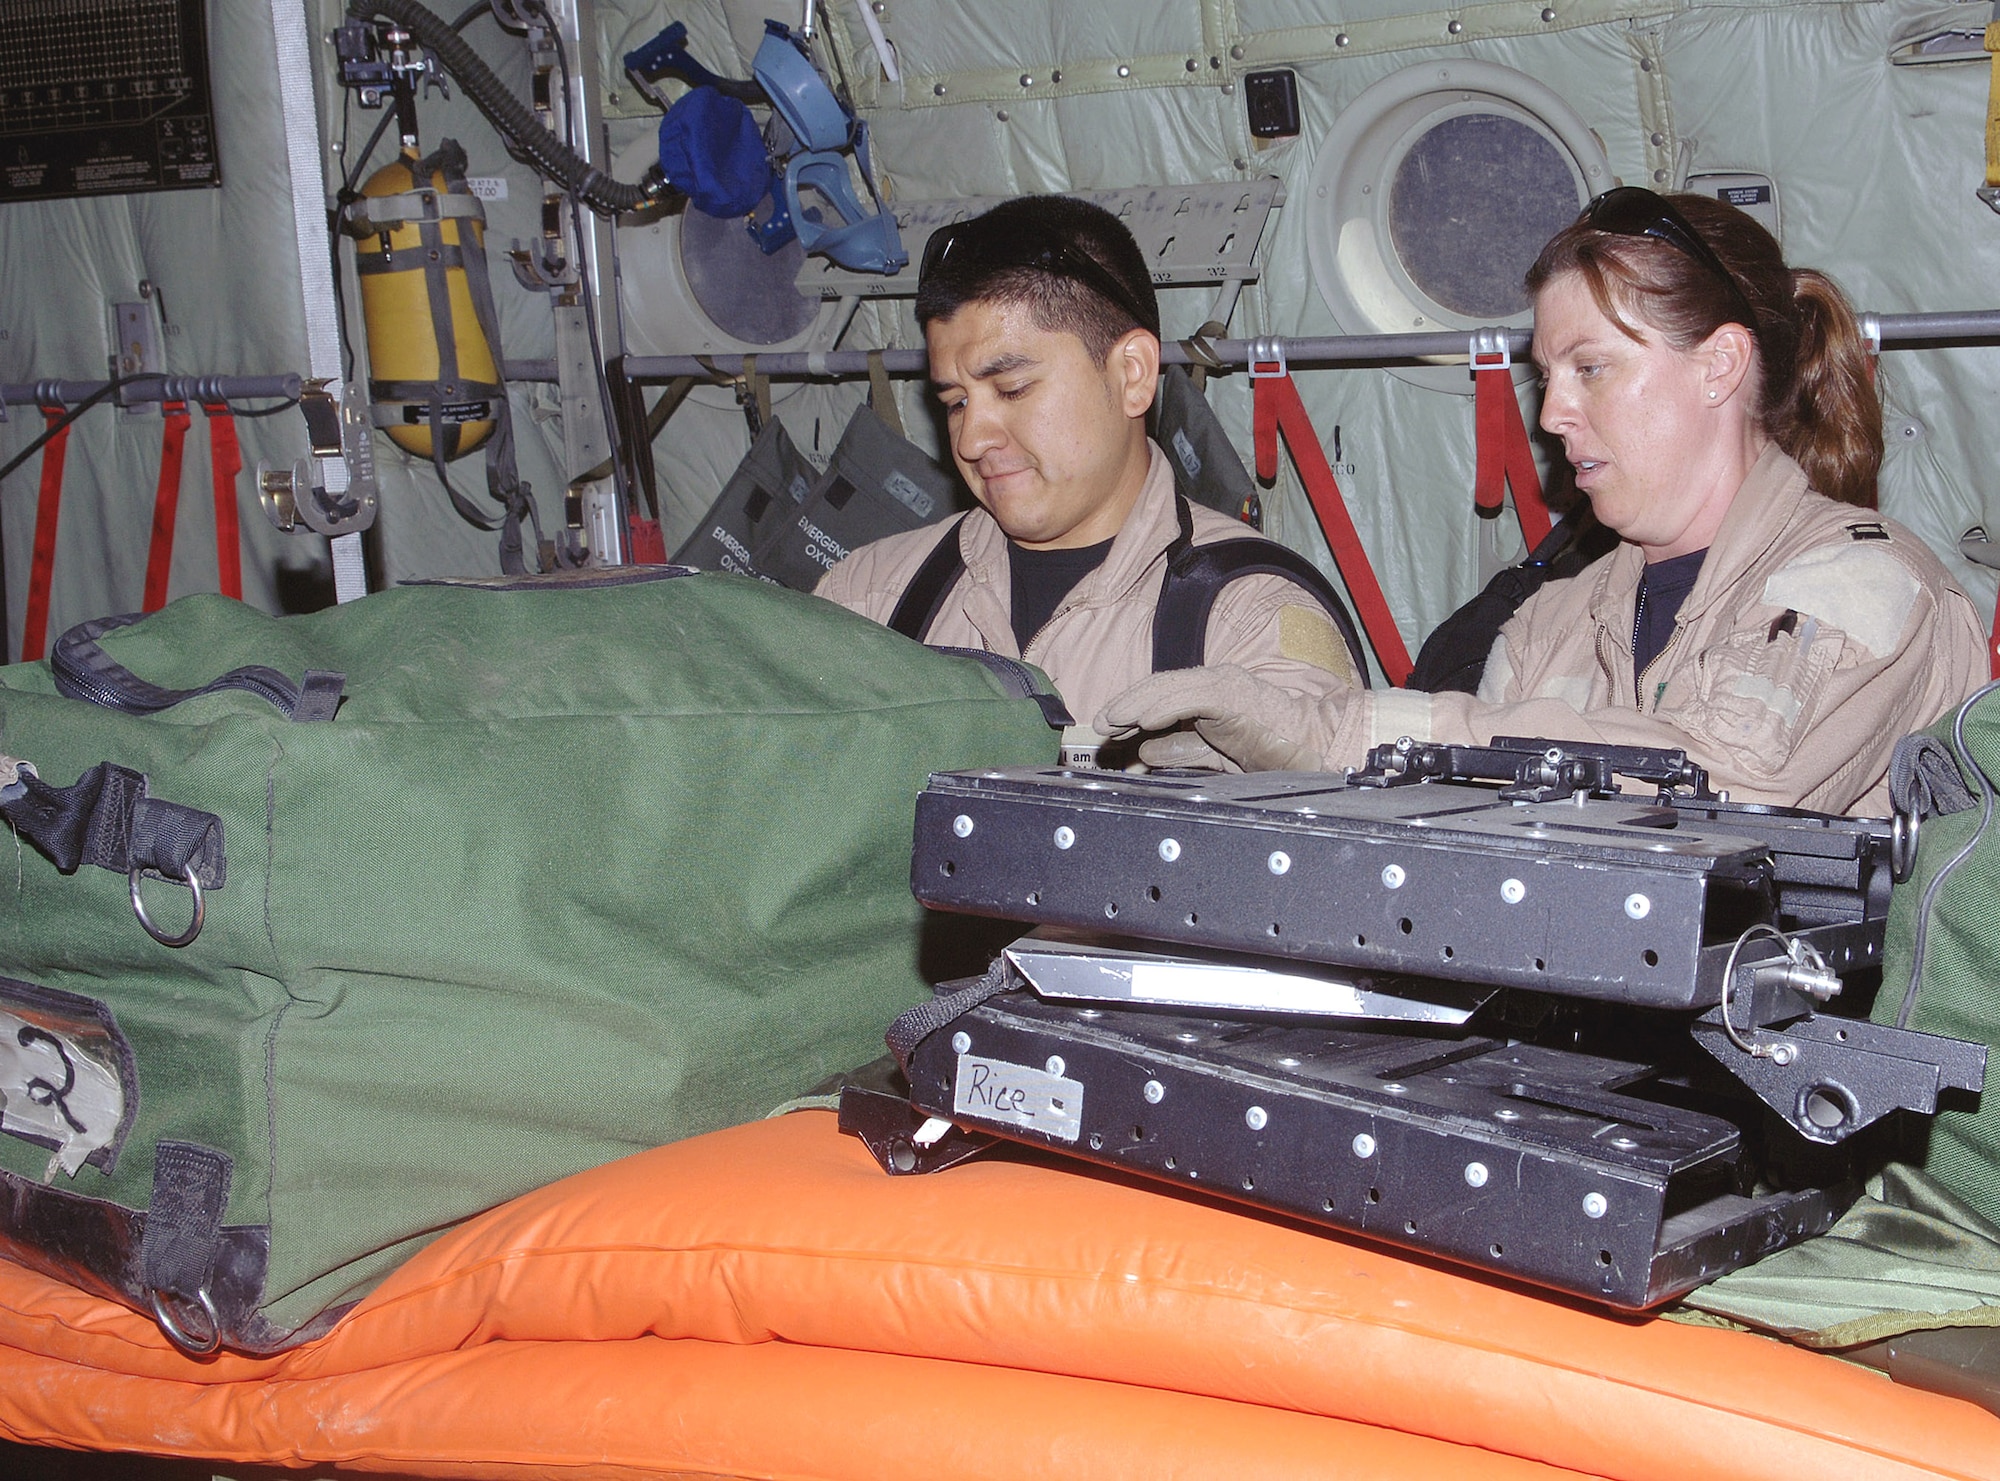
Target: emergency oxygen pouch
<point x="764" y="493"/>
<point x="877" y="484"/>
<point x="326" y="933"/>
<point x="1207" y="468"/>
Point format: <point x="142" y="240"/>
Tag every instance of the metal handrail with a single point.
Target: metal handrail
<point x="1887" y="331"/>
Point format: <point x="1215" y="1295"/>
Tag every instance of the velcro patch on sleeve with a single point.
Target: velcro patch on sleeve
<point x="1859" y="588"/>
<point x="1309" y="636"/>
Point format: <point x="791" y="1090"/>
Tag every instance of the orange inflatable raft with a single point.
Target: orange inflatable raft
<point x="764" y="1301"/>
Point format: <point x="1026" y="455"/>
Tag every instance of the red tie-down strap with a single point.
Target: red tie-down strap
<point x="1279" y="410"/>
<point x="166" y="506"/>
<point x="225" y="461"/>
<point x="649" y="544"/>
<point x="35" y="630"/>
<point x="1501" y="437"/>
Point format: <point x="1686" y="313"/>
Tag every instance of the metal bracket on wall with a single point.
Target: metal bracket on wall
<point x="1192" y="235"/>
<point x="138" y="349"/>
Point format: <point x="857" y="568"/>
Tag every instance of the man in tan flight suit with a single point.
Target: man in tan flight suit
<point x="1043" y="335"/>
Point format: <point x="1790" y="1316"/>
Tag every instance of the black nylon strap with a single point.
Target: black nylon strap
<point x="184" y="1218"/>
<point x="420" y="391"/>
<point x="431" y="258"/>
<point x="1196" y="575"/>
<point x="923" y="598"/>
<point x="107" y="819"/>
<point x="83" y="670"/>
<point x="1924" y="780"/>
<point x="952" y="1001"/>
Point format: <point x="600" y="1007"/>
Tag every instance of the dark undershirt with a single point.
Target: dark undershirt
<point x="1042" y="578"/>
<point x="1663" y="586"/>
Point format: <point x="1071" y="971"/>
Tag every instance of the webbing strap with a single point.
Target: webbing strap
<point x="1196" y="575"/>
<point x="225" y="461"/>
<point x="923" y="598"/>
<point x="1278" y="411"/>
<point x="1504" y="456"/>
<point x="881" y="395"/>
<point x="166" y="505"/>
<point x="35" y="629"/>
<point x="952" y="1001"/>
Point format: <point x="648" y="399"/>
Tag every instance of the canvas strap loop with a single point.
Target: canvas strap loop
<point x="1280" y="412"/>
<point x="183" y="1236"/>
<point x="1201" y="354"/>
<point x="107" y="820"/>
<point x="881" y="395"/>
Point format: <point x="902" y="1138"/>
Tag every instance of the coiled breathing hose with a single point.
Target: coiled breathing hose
<point x="519" y="126"/>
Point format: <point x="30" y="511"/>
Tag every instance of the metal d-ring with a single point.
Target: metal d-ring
<point x="1903" y="829"/>
<point x="178" y="1335"/>
<point x="194" y="926"/>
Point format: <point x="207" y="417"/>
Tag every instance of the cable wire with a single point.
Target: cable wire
<point x="61" y="424"/>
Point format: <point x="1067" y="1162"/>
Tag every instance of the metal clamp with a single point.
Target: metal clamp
<point x="194" y="927"/>
<point x="194" y="1347"/>
<point x="1487" y="343"/>
<point x="1265" y="353"/>
<point x="1980" y="548"/>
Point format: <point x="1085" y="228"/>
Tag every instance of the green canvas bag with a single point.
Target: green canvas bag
<point x="1941" y="957"/>
<point x="572" y="868"/>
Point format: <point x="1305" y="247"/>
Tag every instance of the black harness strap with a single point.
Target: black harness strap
<point x="923" y="598"/>
<point x="1196" y="575"/>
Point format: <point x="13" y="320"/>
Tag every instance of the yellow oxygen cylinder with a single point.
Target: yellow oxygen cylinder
<point x="426" y="305"/>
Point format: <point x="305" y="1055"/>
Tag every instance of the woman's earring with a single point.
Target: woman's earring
<point x="1711" y="395"/>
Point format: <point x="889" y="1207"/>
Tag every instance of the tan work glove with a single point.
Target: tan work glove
<point x="1236" y="717"/>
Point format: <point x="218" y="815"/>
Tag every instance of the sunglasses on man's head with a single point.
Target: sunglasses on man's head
<point x="979" y="246"/>
<point x="1634" y="211"/>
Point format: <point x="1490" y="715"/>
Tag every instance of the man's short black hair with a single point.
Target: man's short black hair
<point x="1024" y="251"/>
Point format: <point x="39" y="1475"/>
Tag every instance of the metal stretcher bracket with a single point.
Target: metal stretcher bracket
<point x="1191" y="235"/>
<point x="1527" y="1161"/>
<point x="1622" y="899"/>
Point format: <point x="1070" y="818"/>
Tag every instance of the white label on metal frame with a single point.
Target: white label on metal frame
<point x="487" y="187"/>
<point x="1018" y="1095"/>
<point x="1205" y="987"/>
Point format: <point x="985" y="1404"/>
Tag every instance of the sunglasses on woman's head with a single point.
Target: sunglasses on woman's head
<point x="1634" y="211"/>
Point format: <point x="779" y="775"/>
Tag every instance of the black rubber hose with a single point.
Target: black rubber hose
<point x="555" y="159"/>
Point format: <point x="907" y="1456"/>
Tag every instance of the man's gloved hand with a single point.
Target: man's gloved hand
<point x="1234" y="714"/>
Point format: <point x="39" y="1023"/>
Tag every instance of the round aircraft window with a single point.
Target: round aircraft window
<point x="1432" y="195"/>
<point x="745" y="294"/>
<point x="693" y="284"/>
<point x="1470" y="206"/>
